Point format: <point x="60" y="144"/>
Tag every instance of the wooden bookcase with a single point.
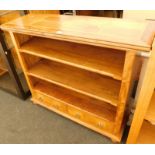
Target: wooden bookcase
<point x="142" y="130"/>
<point x="80" y="67"/>
<point x="146" y="133"/>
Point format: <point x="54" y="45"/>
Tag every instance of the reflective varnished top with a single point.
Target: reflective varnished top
<point x="111" y="32"/>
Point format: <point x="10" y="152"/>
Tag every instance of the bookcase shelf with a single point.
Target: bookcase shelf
<point x="147" y="133"/>
<point x="146" y="130"/>
<point x="91" y="84"/>
<point x="142" y="130"/>
<point x="96" y="59"/>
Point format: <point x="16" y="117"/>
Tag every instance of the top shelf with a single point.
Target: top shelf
<point x="96" y="59"/>
<point x="107" y="32"/>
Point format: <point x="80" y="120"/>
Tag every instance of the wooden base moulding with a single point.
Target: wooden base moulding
<point x="99" y="127"/>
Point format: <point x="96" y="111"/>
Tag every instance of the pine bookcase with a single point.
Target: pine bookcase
<point x="142" y="130"/>
<point x="81" y="67"/>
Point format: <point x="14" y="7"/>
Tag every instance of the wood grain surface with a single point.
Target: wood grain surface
<point x="92" y="30"/>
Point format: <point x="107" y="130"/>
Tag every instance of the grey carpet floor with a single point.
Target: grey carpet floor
<point x="22" y="122"/>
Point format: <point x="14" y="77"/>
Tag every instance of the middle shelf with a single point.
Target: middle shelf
<point x="91" y="84"/>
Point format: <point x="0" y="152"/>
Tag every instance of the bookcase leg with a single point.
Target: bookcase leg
<point x="34" y="102"/>
<point x="144" y="93"/>
<point x="124" y="90"/>
<point x="114" y="141"/>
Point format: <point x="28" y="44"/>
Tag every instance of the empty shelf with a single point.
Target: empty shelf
<point x="147" y="134"/>
<point x="91" y="84"/>
<point x="97" y="59"/>
<point x="82" y="102"/>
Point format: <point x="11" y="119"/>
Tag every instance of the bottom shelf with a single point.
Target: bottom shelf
<point x="147" y="134"/>
<point x="114" y="137"/>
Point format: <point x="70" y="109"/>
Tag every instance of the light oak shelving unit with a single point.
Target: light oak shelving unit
<point x="142" y="130"/>
<point x="146" y="133"/>
<point x="77" y="67"/>
<point x="145" y="130"/>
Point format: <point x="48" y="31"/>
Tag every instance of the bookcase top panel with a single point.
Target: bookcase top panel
<point x="110" y="32"/>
